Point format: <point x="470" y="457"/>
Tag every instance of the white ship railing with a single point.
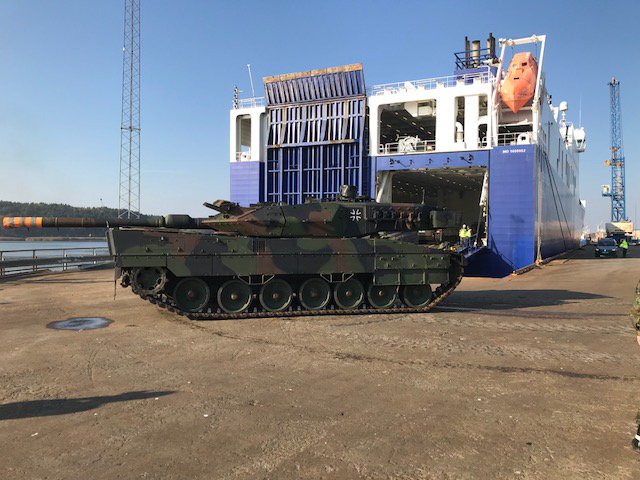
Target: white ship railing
<point x="424" y="146"/>
<point x="418" y="147"/>
<point x="251" y="102"/>
<point x="521" y="138"/>
<point x="431" y="83"/>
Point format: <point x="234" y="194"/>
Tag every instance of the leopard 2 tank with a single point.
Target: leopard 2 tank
<point x="322" y="257"/>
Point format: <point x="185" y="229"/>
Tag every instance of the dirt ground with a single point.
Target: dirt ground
<point x="534" y="376"/>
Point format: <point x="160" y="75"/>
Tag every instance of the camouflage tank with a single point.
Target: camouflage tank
<point x="326" y="257"/>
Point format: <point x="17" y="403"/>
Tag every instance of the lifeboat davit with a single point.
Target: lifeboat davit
<point x="520" y="84"/>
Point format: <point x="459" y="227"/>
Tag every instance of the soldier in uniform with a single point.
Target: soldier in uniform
<point x="635" y="320"/>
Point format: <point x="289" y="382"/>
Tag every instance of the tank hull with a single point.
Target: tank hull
<point x="170" y="256"/>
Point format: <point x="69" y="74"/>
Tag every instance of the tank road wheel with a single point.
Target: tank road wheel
<point x="275" y="295"/>
<point x="191" y="294"/>
<point x="382" y="296"/>
<point x="149" y="280"/>
<point x="314" y="294"/>
<point x="234" y="296"/>
<point x="416" y="296"/>
<point x="349" y="295"/>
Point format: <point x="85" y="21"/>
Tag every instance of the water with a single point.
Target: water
<point x="31" y="245"/>
<point x="80" y="323"/>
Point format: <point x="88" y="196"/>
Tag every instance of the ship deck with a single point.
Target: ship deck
<point x="531" y="376"/>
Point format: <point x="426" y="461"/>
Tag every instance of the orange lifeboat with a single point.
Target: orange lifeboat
<point x="520" y="84"/>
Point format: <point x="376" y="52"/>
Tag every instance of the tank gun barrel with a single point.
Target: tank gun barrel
<point x="170" y="221"/>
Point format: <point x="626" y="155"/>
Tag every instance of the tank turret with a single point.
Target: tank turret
<point x="339" y="219"/>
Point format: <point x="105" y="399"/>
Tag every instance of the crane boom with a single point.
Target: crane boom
<point x="618" y="187"/>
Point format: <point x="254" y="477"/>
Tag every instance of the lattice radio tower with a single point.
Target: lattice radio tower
<point x="618" y="201"/>
<point x="129" y="190"/>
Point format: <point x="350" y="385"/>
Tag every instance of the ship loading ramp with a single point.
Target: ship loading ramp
<point x="455" y="189"/>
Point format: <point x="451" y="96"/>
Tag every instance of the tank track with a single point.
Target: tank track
<point x="441" y="293"/>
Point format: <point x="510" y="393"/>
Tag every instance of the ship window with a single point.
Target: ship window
<point x="482" y="135"/>
<point x="512" y="134"/>
<point x="407" y="128"/>
<point x="483" y="105"/>
<point x="243" y="137"/>
<point x="458" y="130"/>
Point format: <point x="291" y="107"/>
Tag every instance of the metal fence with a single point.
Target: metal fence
<point x="431" y="83"/>
<point x="15" y="262"/>
<point x="251" y="102"/>
<point x="419" y="146"/>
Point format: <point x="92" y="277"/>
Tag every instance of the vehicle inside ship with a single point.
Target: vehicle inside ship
<point x="408" y="127"/>
<point x="456" y="189"/>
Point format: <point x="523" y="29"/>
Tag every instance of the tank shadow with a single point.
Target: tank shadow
<point x="63" y="406"/>
<point x="509" y="299"/>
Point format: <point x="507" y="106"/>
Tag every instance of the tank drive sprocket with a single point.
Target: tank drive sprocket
<point x="148" y="280"/>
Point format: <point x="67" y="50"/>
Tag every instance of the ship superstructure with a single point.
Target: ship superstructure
<point x="486" y="141"/>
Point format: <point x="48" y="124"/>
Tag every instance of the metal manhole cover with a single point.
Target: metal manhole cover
<point x="80" y="323"/>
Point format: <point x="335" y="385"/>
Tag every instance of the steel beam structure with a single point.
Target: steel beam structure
<point x="618" y="200"/>
<point x="129" y="186"/>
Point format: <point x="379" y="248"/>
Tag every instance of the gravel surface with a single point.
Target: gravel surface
<point x="531" y="376"/>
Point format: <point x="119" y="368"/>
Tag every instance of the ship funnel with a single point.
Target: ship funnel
<point x="475" y="52"/>
<point x="467" y="52"/>
<point x="491" y="45"/>
<point x="475" y="55"/>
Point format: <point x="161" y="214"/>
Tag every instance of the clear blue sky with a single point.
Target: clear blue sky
<point x="61" y="70"/>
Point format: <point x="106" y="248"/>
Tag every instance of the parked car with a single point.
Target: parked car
<point x="607" y="247"/>
<point x="634" y="241"/>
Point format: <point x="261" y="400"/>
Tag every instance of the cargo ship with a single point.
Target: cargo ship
<point x="486" y="140"/>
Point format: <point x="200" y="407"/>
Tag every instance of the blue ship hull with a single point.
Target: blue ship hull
<point x="515" y="195"/>
<point x="512" y="210"/>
